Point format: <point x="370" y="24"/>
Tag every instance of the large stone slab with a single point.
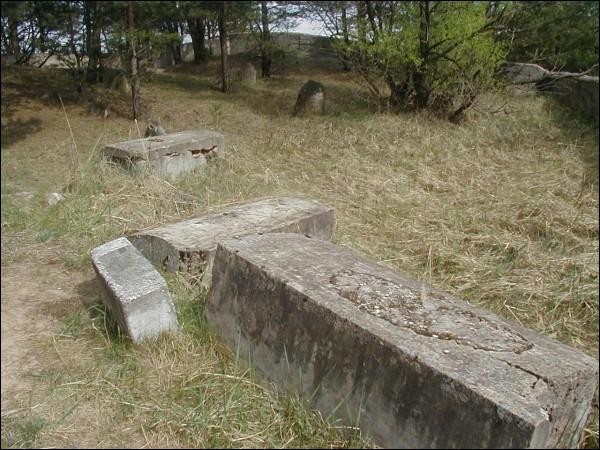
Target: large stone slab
<point x="170" y="154"/>
<point x="190" y="245"/>
<point x="419" y="368"/>
<point x="134" y="292"/>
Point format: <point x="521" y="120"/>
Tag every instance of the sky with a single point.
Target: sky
<point x="308" y="27"/>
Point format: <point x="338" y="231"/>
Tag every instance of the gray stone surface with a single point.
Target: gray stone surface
<point x="120" y="83"/>
<point x="171" y="154"/>
<point x="53" y="198"/>
<point x="524" y="72"/>
<point x="154" y="128"/>
<point x="190" y="245"/>
<point x="247" y="74"/>
<point x="311" y="99"/>
<point x="134" y="292"/>
<point x="579" y="92"/>
<point x="421" y="369"/>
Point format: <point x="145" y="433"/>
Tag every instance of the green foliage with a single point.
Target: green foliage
<point x="21" y="432"/>
<point x="426" y="51"/>
<point x="557" y="35"/>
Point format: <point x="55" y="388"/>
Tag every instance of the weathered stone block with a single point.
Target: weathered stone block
<point x="170" y="154"/>
<point x="247" y="74"/>
<point x="190" y="245"/>
<point x="420" y="368"/>
<point x="311" y="99"/>
<point x="134" y="292"/>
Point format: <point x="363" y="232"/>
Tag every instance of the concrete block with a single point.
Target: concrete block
<point x="171" y="154"/>
<point x="190" y="245"/>
<point x="420" y="368"/>
<point x="134" y="292"/>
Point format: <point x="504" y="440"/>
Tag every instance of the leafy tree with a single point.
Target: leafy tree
<point x="557" y="35"/>
<point x="29" y="27"/>
<point x="265" y="17"/>
<point x="334" y="15"/>
<point x="199" y="16"/>
<point x="436" y="55"/>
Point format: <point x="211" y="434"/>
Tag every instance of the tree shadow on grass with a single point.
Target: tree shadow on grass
<point x="578" y="127"/>
<point x="52" y="87"/>
<point x="277" y="96"/>
<point x="14" y="130"/>
<point x="274" y="97"/>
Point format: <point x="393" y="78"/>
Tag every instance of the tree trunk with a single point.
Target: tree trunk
<point x="74" y="48"/>
<point x="399" y="92"/>
<point x="43" y="37"/>
<point x="197" y="28"/>
<point x="87" y="20"/>
<point x="371" y="16"/>
<point x="266" y="59"/>
<point x="422" y="89"/>
<point x="175" y="47"/>
<point x="361" y="11"/>
<point x="345" y="59"/>
<point x="14" y="37"/>
<point x="94" y="74"/>
<point x="135" y="81"/>
<point x="225" y="81"/>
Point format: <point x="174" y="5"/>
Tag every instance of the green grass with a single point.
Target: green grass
<point x="21" y="433"/>
<point x="501" y="211"/>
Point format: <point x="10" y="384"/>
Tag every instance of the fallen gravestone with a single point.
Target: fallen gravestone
<point x="134" y="292"/>
<point x="171" y="154"/>
<point x="418" y="367"/>
<point x="190" y="245"/>
<point x="311" y="99"/>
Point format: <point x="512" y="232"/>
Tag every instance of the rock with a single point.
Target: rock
<point x="190" y="245"/>
<point x="134" y="293"/>
<point x="154" y="128"/>
<point x="247" y="74"/>
<point x="98" y="106"/>
<point x="27" y="195"/>
<point x="311" y="99"/>
<point x="54" y="198"/>
<point x="120" y="83"/>
<point x="447" y="375"/>
<point x="171" y="154"/>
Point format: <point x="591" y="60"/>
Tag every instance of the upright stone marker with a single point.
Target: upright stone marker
<point x="134" y="292"/>
<point x="190" y="245"/>
<point x="247" y="74"/>
<point x="311" y="99"/>
<point x="421" y="369"/>
<point x="170" y="154"/>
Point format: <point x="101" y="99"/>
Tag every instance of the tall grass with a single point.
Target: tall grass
<point x="502" y="212"/>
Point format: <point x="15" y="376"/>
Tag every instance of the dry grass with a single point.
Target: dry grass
<point x="502" y="212"/>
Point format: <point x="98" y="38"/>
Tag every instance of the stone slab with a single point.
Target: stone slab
<point x="190" y="245"/>
<point x="170" y="154"/>
<point x="134" y="292"/>
<point x="420" y="368"/>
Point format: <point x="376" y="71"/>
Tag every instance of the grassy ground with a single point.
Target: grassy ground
<point x="501" y="211"/>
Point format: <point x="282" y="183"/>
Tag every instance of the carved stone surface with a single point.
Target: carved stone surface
<point x="135" y="294"/>
<point x="190" y="245"/>
<point x="170" y="154"/>
<point x="420" y="368"/>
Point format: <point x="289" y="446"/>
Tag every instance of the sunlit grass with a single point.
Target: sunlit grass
<point x="501" y="211"/>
